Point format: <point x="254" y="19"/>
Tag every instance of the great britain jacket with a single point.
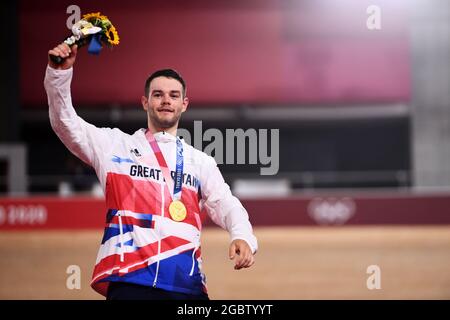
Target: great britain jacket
<point x="141" y="243"/>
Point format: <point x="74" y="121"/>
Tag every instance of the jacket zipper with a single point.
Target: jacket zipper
<point x="159" y="239"/>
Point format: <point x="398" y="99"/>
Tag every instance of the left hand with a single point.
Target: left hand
<point x="241" y="250"/>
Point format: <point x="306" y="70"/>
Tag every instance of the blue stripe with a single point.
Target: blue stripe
<point x="110" y="214"/>
<point x="120" y="160"/>
<point x="114" y="230"/>
<point x="127" y="243"/>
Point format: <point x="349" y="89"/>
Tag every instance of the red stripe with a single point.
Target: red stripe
<point x="198" y="253"/>
<point x="172" y="242"/>
<point x="161" y="161"/>
<point x="106" y="264"/>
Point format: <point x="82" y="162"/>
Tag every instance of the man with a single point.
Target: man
<point x="155" y="188"/>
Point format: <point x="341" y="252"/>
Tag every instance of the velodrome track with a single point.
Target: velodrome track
<point x="292" y="263"/>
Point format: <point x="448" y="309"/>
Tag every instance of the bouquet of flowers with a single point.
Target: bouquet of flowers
<point x="94" y="29"/>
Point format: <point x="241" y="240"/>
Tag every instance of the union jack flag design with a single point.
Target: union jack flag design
<point x="136" y="246"/>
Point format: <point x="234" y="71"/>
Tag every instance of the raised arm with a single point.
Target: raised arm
<point x="84" y="140"/>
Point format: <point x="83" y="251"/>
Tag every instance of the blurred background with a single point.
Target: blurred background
<point x="360" y="94"/>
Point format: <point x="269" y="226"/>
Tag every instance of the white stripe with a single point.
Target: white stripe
<point x="141" y="238"/>
<point x="193" y="261"/>
<point x="159" y="230"/>
<point x="121" y="236"/>
<point x="185" y="231"/>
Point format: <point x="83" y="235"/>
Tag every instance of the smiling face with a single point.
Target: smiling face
<point x="165" y="104"/>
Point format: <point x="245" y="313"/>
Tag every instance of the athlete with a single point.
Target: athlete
<point x="155" y="188"/>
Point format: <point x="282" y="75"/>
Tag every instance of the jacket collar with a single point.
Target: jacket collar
<point x="162" y="136"/>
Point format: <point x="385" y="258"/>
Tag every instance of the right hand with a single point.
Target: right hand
<point x="64" y="51"/>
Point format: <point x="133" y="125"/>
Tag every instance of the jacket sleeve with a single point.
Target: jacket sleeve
<point x="84" y="140"/>
<point x="225" y="209"/>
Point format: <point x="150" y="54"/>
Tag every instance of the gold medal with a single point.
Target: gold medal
<point x="177" y="210"/>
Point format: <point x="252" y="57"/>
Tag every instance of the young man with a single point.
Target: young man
<point x="155" y="186"/>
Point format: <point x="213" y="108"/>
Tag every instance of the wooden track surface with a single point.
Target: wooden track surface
<point x="292" y="263"/>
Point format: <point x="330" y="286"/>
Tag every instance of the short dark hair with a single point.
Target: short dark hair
<point x="168" y="73"/>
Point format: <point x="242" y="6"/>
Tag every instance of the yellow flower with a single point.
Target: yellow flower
<point x="113" y="36"/>
<point x="96" y="15"/>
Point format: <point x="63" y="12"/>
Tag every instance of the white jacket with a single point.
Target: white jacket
<point x="141" y="243"/>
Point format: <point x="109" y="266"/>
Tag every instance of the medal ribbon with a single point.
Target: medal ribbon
<point x="171" y="184"/>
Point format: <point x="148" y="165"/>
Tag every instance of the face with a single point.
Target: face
<point x="165" y="102"/>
